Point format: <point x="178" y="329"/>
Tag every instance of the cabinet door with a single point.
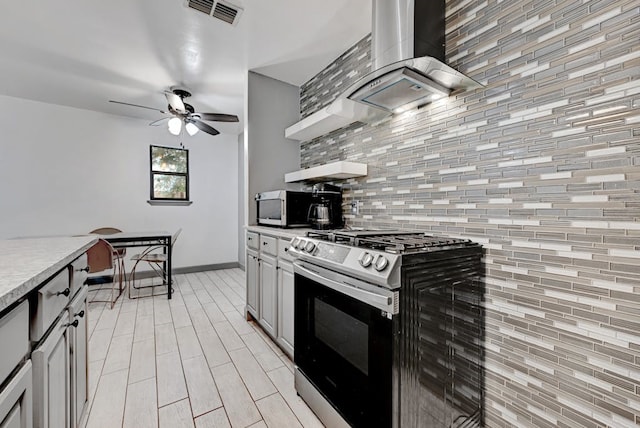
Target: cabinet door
<point x="268" y="316"/>
<point x="285" y="306"/>
<point x="78" y="355"/>
<point x="51" y="378"/>
<point x="16" y="409"/>
<point x="252" y="278"/>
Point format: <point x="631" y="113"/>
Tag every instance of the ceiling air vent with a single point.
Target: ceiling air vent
<point x="221" y="10"/>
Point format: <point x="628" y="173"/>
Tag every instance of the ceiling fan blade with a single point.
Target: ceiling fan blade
<point x="160" y="121"/>
<point x="218" y="117"/>
<point x="137" y="105"/>
<point x="175" y="102"/>
<point x="204" y="127"/>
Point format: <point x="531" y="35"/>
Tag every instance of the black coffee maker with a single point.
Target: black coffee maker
<point x="325" y="211"/>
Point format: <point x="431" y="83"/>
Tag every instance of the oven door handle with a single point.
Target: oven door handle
<point x="386" y="302"/>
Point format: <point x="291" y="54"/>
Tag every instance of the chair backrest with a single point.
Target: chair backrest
<point x="100" y="256"/>
<point x="106" y="231"/>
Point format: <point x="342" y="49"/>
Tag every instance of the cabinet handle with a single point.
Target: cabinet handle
<point x="73" y="324"/>
<point x="79" y="314"/>
<point x="286" y="249"/>
<point x="265" y="243"/>
<point x="84" y="269"/>
<point x="66" y="292"/>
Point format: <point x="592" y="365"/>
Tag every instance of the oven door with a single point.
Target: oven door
<point x="344" y="344"/>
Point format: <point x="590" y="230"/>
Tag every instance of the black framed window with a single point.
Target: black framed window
<point x="169" y="174"/>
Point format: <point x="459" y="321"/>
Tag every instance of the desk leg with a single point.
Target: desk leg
<point x="168" y="268"/>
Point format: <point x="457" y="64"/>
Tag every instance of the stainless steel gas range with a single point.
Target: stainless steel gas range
<point x="389" y="328"/>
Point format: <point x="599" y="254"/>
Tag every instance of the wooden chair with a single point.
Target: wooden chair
<point x="156" y="261"/>
<point x="100" y="258"/>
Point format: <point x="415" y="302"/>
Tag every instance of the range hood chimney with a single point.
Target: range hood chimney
<point x="407" y="49"/>
<point x="408" y="39"/>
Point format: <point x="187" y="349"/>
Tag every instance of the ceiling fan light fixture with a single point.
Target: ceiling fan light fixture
<point x="175" y="125"/>
<point x="191" y="129"/>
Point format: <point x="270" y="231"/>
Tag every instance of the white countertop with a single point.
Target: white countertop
<point x="279" y="231"/>
<point x="26" y="263"/>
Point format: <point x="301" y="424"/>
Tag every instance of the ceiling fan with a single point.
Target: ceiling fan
<point x="184" y="113"/>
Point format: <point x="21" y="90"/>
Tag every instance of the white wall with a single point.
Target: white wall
<point x="68" y="171"/>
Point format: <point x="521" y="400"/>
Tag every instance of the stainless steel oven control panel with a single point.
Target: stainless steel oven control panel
<point x="374" y="266"/>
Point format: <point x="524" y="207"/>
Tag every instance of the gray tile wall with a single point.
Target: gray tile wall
<point x="325" y="86"/>
<point x="542" y="167"/>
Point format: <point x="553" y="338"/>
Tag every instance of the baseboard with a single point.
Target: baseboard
<point x="102" y="279"/>
<point x="202" y="268"/>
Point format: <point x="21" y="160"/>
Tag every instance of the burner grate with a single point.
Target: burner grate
<point x="391" y="241"/>
<point x="398" y="244"/>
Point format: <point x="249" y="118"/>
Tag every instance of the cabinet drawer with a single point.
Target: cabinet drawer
<point x="253" y="240"/>
<point x="283" y="249"/>
<point x="79" y="271"/>
<point x="50" y="300"/>
<point x="269" y="245"/>
<point x="14" y="337"/>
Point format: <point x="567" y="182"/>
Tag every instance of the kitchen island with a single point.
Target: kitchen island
<point x="43" y="329"/>
<point x="27" y="263"/>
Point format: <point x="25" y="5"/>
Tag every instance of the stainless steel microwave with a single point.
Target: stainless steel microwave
<point x="283" y="208"/>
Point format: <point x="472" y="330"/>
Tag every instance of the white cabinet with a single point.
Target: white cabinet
<point x="59" y="357"/>
<point x="48" y="302"/>
<point x="15" y="397"/>
<point x="252" y="279"/>
<point x="60" y="367"/>
<point x="44" y="362"/>
<point x="51" y="371"/>
<point x="78" y="356"/>
<point x="60" y="364"/>
<point x="16" y="408"/>
<point x="268" y="316"/>
<point x="269" y="279"/>
<point x="285" y="306"/>
<point x="268" y="312"/>
<point x="261" y="280"/>
<point x="14" y="339"/>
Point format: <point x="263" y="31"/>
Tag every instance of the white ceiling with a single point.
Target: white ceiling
<point x="83" y="53"/>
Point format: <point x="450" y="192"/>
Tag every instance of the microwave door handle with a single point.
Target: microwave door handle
<point x="283" y="211"/>
<point x="379" y="301"/>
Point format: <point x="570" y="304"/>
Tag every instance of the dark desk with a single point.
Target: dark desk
<point x="145" y="239"/>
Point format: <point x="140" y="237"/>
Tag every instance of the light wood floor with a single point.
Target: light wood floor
<point x="192" y="361"/>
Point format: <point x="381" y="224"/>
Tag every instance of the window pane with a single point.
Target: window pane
<point x="168" y="160"/>
<point x="169" y="186"/>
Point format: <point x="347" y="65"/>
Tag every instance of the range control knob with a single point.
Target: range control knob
<point x="300" y="244"/>
<point x="381" y="263"/>
<point x="365" y="259"/>
<point x="310" y="247"/>
<point x="294" y="242"/>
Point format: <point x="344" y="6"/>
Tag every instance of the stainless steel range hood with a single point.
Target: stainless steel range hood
<point x="408" y="56"/>
<point x="407" y="49"/>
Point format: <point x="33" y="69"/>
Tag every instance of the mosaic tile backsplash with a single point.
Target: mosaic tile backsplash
<point x="542" y="167"/>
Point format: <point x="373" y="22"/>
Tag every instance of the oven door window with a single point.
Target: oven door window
<point x="344" y="347"/>
<point x="344" y="334"/>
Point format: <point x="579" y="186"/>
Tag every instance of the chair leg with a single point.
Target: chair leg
<point x="117" y="276"/>
<point x="132" y="278"/>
